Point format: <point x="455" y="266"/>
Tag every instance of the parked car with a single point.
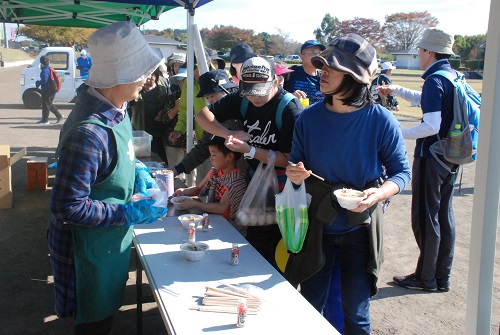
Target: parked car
<point x="292" y="57"/>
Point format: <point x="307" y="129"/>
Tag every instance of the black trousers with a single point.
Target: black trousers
<point x="48" y="106"/>
<point x="432" y="218"/>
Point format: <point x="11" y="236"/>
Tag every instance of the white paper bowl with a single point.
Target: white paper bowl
<point x="194" y="255"/>
<point x="177" y="201"/>
<point x="349" y="198"/>
<point x="186" y="219"/>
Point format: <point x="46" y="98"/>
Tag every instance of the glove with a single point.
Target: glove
<point x="142" y="212"/>
<point x="143" y="180"/>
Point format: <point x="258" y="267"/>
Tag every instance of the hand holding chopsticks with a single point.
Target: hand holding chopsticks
<point x="310" y="173"/>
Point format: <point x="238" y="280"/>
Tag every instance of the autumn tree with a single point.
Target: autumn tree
<point x="226" y="37"/>
<point x="369" y="29"/>
<point x="402" y="30"/>
<point x="283" y="44"/>
<point x="327" y="30"/>
<point x="57" y="35"/>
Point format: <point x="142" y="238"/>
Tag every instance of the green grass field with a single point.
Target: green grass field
<point x="12" y="55"/>
<point x="415" y="83"/>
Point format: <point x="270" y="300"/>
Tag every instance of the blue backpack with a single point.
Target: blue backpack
<point x="460" y="144"/>
<point x="279" y="112"/>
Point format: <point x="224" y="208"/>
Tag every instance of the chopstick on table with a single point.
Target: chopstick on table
<point x="312" y="174"/>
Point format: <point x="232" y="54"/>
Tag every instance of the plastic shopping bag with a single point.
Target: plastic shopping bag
<point x="291" y="215"/>
<point x="257" y="206"/>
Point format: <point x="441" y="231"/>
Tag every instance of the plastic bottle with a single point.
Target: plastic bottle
<point x="242" y="313"/>
<point x="192" y="233"/>
<point x="454" y="151"/>
<point x="235" y="254"/>
<point x="205" y="222"/>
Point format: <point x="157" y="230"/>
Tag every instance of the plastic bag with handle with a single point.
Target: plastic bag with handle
<point x="257" y="205"/>
<point x="291" y="215"/>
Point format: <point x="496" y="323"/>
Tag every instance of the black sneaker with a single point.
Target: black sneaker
<point x="43" y="122"/>
<point x="59" y="119"/>
<point x="443" y="285"/>
<point x="413" y="283"/>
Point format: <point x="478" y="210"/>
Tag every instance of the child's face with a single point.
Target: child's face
<point x="217" y="158"/>
<point x="211" y="98"/>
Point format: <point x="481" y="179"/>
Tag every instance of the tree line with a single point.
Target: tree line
<point x="400" y="31"/>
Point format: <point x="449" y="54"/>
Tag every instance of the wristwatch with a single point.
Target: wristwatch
<point x="250" y="154"/>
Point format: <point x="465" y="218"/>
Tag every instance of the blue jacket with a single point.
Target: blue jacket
<point x="44" y="80"/>
<point x="84" y="65"/>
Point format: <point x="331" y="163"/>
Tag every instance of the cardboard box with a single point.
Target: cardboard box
<point x="6" y="174"/>
<point x="37" y="171"/>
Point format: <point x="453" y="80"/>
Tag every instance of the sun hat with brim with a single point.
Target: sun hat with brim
<point x="281" y="70"/>
<point x="176" y="79"/>
<point x="350" y="54"/>
<point x="176" y="57"/>
<point x="211" y="82"/>
<point x="120" y="55"/>
<point x="241" y="53"/>
<point x="212" y="55"/>
<point x="257" y="76"/>
<point x="437" y="41"/>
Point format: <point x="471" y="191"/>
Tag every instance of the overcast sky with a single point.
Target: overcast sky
<point x="301" y="18"/>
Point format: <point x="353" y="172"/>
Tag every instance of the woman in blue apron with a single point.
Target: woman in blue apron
<point x="92" y="218"/>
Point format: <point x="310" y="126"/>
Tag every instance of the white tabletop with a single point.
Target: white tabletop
<point x="179" y="284"/>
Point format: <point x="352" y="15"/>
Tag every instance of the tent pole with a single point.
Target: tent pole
<point x="486" y="190"/>
<point x="190" y="78"/>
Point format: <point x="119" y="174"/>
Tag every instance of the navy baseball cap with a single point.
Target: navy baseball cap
<point x="311" y="43"/>
<point x="211" y="82"/>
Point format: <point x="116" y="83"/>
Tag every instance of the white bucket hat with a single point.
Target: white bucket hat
<point x="437" y="41"/>
<point x="120" y="55"/>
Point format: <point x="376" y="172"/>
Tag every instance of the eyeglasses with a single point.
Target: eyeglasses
<point x="311" y="53"/>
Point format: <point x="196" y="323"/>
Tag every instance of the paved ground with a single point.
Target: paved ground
<point x="26" y="296"/>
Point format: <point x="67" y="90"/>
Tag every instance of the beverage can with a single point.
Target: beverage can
<point x="304" y="102"/>
<point x="235" y="254"/>
<point x="205" y="222"/>
<point x="242" y="313"/>
<point x="191" y="233"/>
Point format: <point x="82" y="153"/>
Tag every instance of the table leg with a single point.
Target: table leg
<point x="138" y="286"/>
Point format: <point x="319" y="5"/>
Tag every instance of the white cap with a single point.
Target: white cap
<point x="387" y="66"/>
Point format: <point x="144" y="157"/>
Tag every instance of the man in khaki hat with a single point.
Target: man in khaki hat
<point x="432" y="218"/>
<point x="92" y="217"/>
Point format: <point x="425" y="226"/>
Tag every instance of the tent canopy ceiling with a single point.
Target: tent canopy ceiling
<point x="87" y="13"/>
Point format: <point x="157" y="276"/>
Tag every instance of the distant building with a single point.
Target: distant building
<point x="166" y="45"/>
<point x="407" y="59"/>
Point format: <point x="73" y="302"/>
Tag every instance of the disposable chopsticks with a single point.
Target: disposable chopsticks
<point x="312" y="174"/>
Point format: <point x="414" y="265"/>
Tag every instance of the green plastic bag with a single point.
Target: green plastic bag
<point x="291" y="215"/>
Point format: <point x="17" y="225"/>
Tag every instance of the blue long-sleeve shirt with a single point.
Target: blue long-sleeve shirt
<point x="351" y="148"/>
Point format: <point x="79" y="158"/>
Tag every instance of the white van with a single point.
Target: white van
<point x="63" y="60"/>
<point x="292" y="57"/>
